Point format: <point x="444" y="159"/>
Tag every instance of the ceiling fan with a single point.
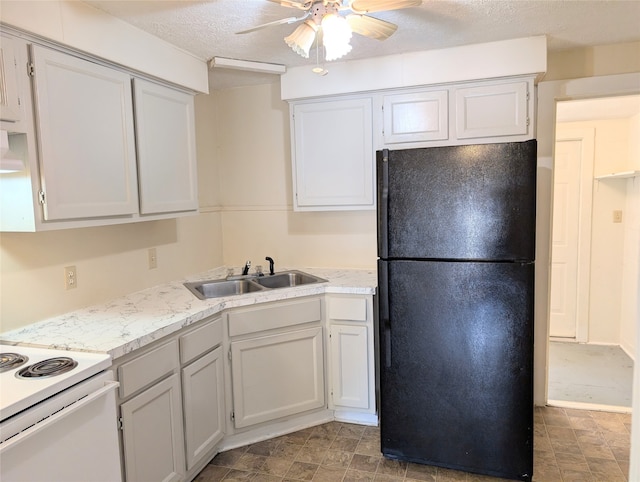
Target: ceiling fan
<point x="333" y="21"/>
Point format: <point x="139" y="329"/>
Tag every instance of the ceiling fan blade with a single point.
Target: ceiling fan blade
<point x="275" y="22"/>
<point x="302" y="4"/>
<point x="371" y="27"/>
<point x="368" y="6"/>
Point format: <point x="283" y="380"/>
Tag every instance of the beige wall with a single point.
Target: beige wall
<point x="630" y="311"/>
<point x="590" y="62"/>
<point x="256" y="189"/>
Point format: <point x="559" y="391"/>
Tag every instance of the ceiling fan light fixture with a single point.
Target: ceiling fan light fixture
<point x="301" y="39"/>
<point x="336" y="35"/>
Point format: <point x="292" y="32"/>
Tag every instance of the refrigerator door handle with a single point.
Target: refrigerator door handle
<point x="383" y="307"/>
<point x="382" y="166"/>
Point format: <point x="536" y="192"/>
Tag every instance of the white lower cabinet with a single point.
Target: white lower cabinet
<point x="349" y="367"/>
<point x="351" y="353"/>
<point x="276" y="360"/>
<point x="153" y="433"/>
<point x="273" y="357"/>
<point x="172" y="404"/>
<point x="203" y="399"/>
<point x="277" y="375"/>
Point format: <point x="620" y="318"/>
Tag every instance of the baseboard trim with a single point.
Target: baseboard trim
<point x="588" y="406"/>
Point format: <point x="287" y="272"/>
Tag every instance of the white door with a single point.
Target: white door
<point x="571" y="235"/>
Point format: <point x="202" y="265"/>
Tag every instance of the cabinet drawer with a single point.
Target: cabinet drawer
<point x="347" y="309"/>
<point x="147" y="368"/>
<point x="276" y="316"/>
<point x="200" y="340"/>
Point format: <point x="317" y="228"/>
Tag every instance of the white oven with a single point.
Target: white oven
<point x="58" y="418"/>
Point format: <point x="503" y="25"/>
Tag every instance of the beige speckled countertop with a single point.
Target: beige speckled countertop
<point x="122" y="325"/>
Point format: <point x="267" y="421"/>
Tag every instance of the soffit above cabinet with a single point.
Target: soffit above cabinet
<point x="507" y="58"/>
<point x="79" y="26"/>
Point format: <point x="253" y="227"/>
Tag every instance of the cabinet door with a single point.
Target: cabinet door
<point x="277" y="375"/>
<point x="203" y="390"/>
<point x="152" y="433"/>
<point x="416" y="117"/>
<point x="86" y="139"/>
<point x="165" y="128"/>
<point x="492" y="110"/>
<point x="9" y="103"/>
<point x="349" y="366"/>
<point x="333" y="155"/>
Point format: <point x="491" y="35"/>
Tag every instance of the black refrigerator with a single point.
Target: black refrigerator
<point x="456" y="234"/>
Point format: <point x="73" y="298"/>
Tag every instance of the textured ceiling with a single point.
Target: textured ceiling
<point x="207" y="28"/>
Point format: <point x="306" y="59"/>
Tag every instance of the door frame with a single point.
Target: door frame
<point x="583" y="269"/>
<point x="548" y="94"/>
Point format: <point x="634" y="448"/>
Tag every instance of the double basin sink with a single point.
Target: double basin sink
<point x="250" y="284"/>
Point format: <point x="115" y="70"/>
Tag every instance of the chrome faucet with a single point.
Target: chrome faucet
<point x="245" y="270"/>
<point x="271" y="271"/>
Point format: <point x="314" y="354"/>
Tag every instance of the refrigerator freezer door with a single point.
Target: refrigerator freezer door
<point x="473" y="202"/>
<point x="456" y="365"/>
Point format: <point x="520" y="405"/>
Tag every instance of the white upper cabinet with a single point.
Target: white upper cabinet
<point x="334" y="139"/>
<point x="165" y="129"/>
<point x="100" y="145"/>
<point x="333" y="154"/>
<point x="85" y="137"/>
<point x="9" y="97"/>
<point x="493" y="110"/>
<point x="416" y="117"/>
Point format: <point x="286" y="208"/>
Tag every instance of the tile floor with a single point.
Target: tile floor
<point x="570" y="445"/>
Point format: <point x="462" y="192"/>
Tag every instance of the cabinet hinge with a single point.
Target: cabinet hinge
<point x="528" y="121"/>
<point x="120" y="424"/>
<point x="41" y="197"/>
<point x="31" y="69"/>
<point x="233" y="416"/>
<point x="229" y="354"/>
<point x="527" y="95"/>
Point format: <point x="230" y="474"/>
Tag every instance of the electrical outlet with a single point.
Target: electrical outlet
<point x="70" y="278"/>
<point x="153" y="258"/>
<point x="617" y="216"/>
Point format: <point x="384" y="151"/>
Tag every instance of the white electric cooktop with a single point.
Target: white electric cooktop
<point x="29" y="375"/>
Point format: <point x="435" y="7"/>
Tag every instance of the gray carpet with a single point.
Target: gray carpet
<point x="592" y="374"/>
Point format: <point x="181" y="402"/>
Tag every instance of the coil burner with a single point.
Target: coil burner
<point x="48" y="368"/>
<point x="9" y="361"/>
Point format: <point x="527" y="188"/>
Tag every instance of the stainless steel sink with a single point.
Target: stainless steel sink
<point x="225" y="287"/>
<point x="287" y="279"/>
<point x="221" y="288"/>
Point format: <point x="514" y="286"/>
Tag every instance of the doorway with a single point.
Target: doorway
<point x="591" y="338"/>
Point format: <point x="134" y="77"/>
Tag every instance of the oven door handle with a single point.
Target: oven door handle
<point x="68" y="410"/>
